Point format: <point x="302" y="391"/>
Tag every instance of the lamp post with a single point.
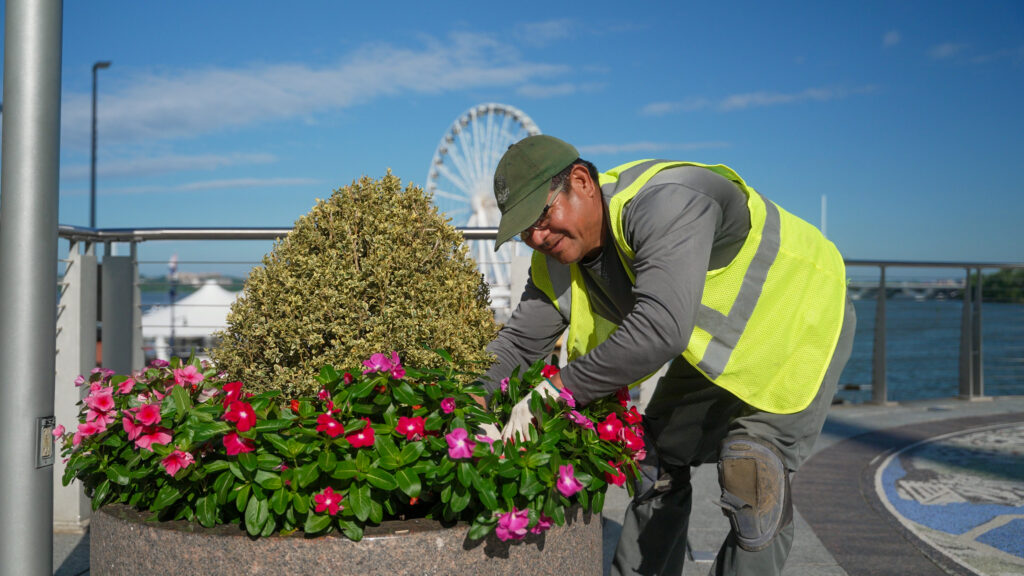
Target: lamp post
<point x="92" y="170"/>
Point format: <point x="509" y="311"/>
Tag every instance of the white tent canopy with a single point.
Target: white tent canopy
<point x="196" y="316"/>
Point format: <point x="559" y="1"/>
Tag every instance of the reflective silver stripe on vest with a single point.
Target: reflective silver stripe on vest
<point x="628" y="177"/>
<point x="726" y="330"/>
<point x="561" y="283"/>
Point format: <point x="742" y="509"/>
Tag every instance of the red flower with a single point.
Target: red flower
<point x="362" y="438"/>
<point x="609" y="428"/>
<point x="548" y="371"/>
<point x="632" y="416"/>
<point x="347" y="378"/>
<point x="328" y="500"/>
<point x="241" y="414"/>
<point x="232" y="392"/>
<point x="411" y="427"/>
<point x="237" y="445"/>
<point x="328" y="425"/>
<point x="618" y="478"/>
<point x="631" y="440"/>
<point x="623" y="395"/>
<point x="295" y="405"/>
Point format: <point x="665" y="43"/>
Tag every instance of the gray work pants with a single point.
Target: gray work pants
<point x="687" y="420"/>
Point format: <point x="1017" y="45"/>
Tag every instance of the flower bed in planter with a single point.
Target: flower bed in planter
<point x="393" y="443"/>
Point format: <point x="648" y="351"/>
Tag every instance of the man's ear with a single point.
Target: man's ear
<point x="580" y="178"/>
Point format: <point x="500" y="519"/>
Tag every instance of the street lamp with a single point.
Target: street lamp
<point x="92" y="171"/>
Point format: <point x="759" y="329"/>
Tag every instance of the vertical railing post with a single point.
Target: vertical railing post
<point x="878" y="380"/>
<point x="28" y="281"/>
<point x="76" y="354"/>
<point x="122" y="323"/>
<point x="966" y="341"/>
<point x="977" y="361"/>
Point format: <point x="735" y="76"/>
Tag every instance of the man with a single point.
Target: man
<point x="656" y="262"/>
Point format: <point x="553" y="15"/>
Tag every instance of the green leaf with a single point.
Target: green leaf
<point x="328" y="375"/>
<point x="509" y="491"/>
<point x="376" y="512"/>
<point x="464" y="474"/>
<point x="222" y="486"/>
<point x="406" y="395"/>
<point x="478" y="531"/>
<point x="279" y="501"/>
<point x="268" y="462"/>
<point x="597" y="503"/>
<point x="99" y="496"/>
<point x="118" y="474"/>
<point x="488" y="496"/>
<point x="307" y="474"/>
<point x="208" y="430"/>
<point x="411" y="452"/>
<point x="168" y="495"/>
<point x="249" y="461"/>
<point x="269" y="527"/>
<point x="256" y="514"/>
<point x="326" y="461"/>
<point x="389" y="453"/>
<point x="242" y="497"/>
<point x="350" y="529"/>
<point x="280" y="445"/>
<point x="381" y="479"/>
<point x="537" y="459"/>
<point x="409" y="482"/>
<point x="212" y="466"/>
<point x="360" y="501"/>
<point x="206" y="510"/>
<point x="529" y="485"/>
<point x="271" y="425"/>
<point x="300" y="502"/>
<point x="268" y="479"/>
<point x="460" y="499"/>
<point x="316" y="523"/>
<point x="345" y="469"/>
<point x="182" y="402"/>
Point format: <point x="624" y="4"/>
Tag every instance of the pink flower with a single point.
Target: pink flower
<point x="549" y="371"/>
<point x="609" y="428"/>
<point x="618" y="478"/>
<point x="397" y="372"/>
<point x="567" y="483"/>
<point x="459" y="444"/>
<point x="512" y="525"/>
<point x="328" y="500"/>
<point x="207" y="393"/>
<point x="79" y="380"/>
<point x="411" y="427"/>
<point x="632" y="416"/>
<point x="241" y="414"/>
<point x="133" y="429"/>
<point x="377" y="363"/>
<point x="448" y="405"/>
<point x="623" y="395"/>
<point x="58" y="431"/>
<point x="581" y="420"/>
<point x="158" y="363"/>
<point x="631" y="440"/>
<point x="234" y="444"/>
<point x="101" y="418"/>
<point x="176" y="461"/>
<point x="323" y="394"/>
<point x="126" y="386"/>
<point x="101" y="400"/>
<point x="148" y="414"/>
<point x="566" y="395"/>
<point x="542" y="525"/>
<point x="86" y="430"/>
<point x="487" y="440"/>
<point x="187" y="375"/>
<point x="153" y="435"/>
<point x="328" y="425"/>
<point x="362" y="438"/>
<point x="504" y="385"/>
<point x="103" y="372"/>
<point x="639" y="455"/>
<point x="232" y="392"/>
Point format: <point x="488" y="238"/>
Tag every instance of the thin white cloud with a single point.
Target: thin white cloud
<point x="646" y="146"/>
<point x="946" y="51"/>
<point x="539" y="91"/>
<point x="891" y="38"/>
<point x="752" y="100"/>
<point x="198" y="186"/>
<point x="121" y="167"/>
<point x="544" y="33"/>
<point x="1016" y="54"/>
<point x="153" y="106"/>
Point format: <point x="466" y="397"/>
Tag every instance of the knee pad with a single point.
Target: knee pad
<point x="755" y="491"/>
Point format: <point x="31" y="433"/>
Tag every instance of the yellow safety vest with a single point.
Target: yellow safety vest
<point x="768" y="322"/>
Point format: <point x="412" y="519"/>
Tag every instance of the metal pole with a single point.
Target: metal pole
<point x="28" y="282"/>
<point x="92" y="168"/>
<point x="878" y="383"/>
<point x="966" y="342"/>
<point x="978" y="389"/>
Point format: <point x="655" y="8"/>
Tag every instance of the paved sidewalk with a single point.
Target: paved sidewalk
<point x="929" y="487"/>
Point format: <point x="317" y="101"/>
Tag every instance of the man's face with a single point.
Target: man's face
<point x="572" y="227"/>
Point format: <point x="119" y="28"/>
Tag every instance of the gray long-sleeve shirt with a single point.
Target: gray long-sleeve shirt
<point x="682" y="223"/>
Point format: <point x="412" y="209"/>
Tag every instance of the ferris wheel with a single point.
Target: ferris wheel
<point x="461" y="179"/>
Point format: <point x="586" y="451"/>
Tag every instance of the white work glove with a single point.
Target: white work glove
<point x="520" y="420"/>
<point x="490" y="431"/>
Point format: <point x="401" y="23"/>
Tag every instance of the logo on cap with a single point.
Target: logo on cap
<point x="501" y="191"/>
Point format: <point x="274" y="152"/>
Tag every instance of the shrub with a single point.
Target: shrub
<point x="374" y="267"/>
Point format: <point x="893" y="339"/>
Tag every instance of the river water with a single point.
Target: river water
<point x="923" y="349"/>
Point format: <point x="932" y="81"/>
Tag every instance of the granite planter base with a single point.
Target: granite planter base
<point x="123" y="542"/>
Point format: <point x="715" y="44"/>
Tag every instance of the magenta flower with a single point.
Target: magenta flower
<point x="126" y="386"/>
<point x="323" y="394"/>
<point x="567" y="483"/>
<point x="133" y="429"/>
<point x="542" y="525"/>
<point x="581" y="420"/>
<point x="567" y="397"/>
<point x="153" y="435"/>
<point x="632" y="416"/>
<point x="101" y="400"/>
<point x="448" y="405"/>
<point x="87" y="429"/>
<point x="618" y="478"/>
<point x="362" y="438"/>
<point x="397" y="372"/>
<point x="486" y="440"/>
<point x="101" y="418"/>
<point x="609" y="428"/>
<point x="632" y="441"/>
<point x="187" y="375"/>
<point x="176" y="461"/>
<point x="377" y="363"/>
<point x="103" y="372"/>
<point x="328" y="425"/>
<point x="411" y="427"/>
<point x="512" y="525"/>
<point x="79" y="380"/>
<point x="549" y="371"/>
<point x="623" y="395"/>
<point x="504" y="385"/>
<point x="158" y="363"/>
<point x="232" y="392"/>
<point x="148" y="415"/>
<point x="235" y="444"/>
<point x="639" y="455"/>
<point x="58" y="431"/>
<point x="347" y="378"/>
<point x="328" y="500"/>
<point x="459" y="444"/>
<point x="241" y="413"/>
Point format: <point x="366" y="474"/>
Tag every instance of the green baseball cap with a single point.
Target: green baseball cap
<point x="522" y="181"/>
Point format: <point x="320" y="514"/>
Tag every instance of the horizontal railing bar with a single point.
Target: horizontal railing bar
<point x="143" y="234"/>
<point x="923" y="264"/>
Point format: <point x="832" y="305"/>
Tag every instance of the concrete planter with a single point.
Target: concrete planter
<point x="123" y="542"/>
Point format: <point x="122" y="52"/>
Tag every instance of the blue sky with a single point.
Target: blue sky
<point x="906" y="114"/>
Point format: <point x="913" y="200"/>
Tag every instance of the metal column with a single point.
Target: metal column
<point x="120" y="312"/>
<point x="28" y="282"/>
<point x="878" y="383"/>
<point x="966" y="342"/>
<point x="977" y="360"/>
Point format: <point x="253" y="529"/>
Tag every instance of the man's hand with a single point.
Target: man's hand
<point x="521" y="418"/>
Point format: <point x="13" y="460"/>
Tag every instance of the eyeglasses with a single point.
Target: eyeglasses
<point x="542" y="221"/>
